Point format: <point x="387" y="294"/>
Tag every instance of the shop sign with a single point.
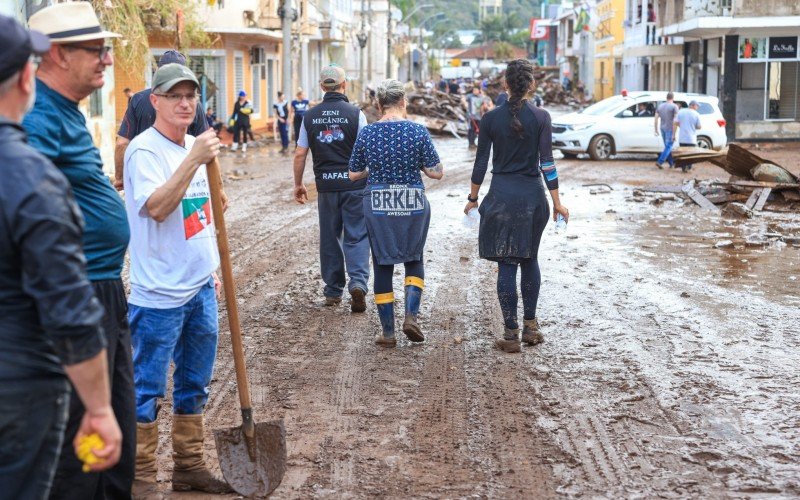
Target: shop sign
<point x="539" y="30"/>
<point x="783" y="47"/>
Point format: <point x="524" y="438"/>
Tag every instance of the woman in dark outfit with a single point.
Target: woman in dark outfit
<point x="515" y="211"/>
<point x="391" y="153"/>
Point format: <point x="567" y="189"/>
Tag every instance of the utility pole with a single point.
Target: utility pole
<point x="370" y="74"/>
<point x="287" y="15"/>
<point x="388" y="39"/>
<point x="362" y="43"/>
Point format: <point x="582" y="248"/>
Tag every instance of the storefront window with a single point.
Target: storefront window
<point x="769" y="79"/>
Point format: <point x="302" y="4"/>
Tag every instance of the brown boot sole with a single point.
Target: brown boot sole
<point x="358" y="301"/>
<point x="385" y="341"/>
<point x="532" y="338"/>
<point x="412" y="330"/>
<point x="509" y="346"/>
<point x="332" y="301"/>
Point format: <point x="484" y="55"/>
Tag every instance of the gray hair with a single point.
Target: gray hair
<point x="390" y="93"/>
<point x="7" y="84"/>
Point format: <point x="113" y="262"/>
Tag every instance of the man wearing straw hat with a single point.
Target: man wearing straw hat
<point x="173" y="304"/>
<point x="49" y="314"/>
<point x="73" y="68"/>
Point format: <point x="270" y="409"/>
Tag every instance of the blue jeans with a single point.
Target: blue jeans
<point x="32" y="426"/>
<point x="343" y="241"/>
<point x="666" y="155"/>
<point x="283" y="128"/>
<point x="186" y="335"/>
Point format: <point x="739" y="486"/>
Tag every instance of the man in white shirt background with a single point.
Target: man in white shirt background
<point x="173" y="301"/>
<point x="688" y="122"/>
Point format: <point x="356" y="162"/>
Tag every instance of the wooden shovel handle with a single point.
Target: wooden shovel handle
<point x="215" y="183"/>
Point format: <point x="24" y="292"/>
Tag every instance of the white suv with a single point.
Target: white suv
<point x="620" y="125"/>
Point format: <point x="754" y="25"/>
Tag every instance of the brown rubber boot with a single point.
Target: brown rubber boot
<point x="530" y="332"/>
<point x="190" y="471"/>
<point x="358" y="302"/>
<point x="411" y="328"/>
<point x="509" y="342"/>
<point x="145" y="486"/>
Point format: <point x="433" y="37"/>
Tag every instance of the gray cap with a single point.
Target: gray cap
<point x="170" y="75"/>
<point x="694" y="103"/>
<point x="332" y="76"/>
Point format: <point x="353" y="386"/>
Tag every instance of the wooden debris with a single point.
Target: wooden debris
<point x="762" y="199"/>
<point x="738" y="210"/>
<point x="690" y="191"/>
<point x="751" y="201"/>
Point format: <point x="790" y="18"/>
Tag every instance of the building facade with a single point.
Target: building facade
<point x="608" y="40"/>
<point x="746" y="53"/>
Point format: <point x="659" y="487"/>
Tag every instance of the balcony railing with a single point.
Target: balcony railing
<point x="641" y="34"/>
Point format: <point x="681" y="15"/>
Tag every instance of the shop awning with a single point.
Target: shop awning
<point x="276" y="35"/>
<point x="717" y="26"/>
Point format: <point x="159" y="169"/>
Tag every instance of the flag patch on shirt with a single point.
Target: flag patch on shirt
<point x="196" y="215"/>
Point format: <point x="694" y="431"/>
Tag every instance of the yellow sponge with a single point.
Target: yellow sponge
<point x="85" y="446"/>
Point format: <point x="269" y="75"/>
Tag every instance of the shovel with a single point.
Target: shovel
<point x="252" y="457"/>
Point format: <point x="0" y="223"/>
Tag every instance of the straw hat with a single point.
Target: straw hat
<point x="69" y="22"/>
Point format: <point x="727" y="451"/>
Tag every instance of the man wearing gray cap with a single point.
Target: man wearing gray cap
<point x="173" y="302"/>
<point x="140" y="116"/>
<point x="51" y="320"/>
<point x="688" y="122"/>
<point x="329" y="130"/>
<point x="70" y="71"/>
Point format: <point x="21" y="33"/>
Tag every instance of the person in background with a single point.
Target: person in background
<point x="566" y="82"/>
<point x="241" y="121"/>
<point x="173" y="302"/>
<point x="641" y="109"/>
<point x="502" y="98"/>
<point x="329" y="131"/>
<point x="73" y="68"/>
<point x="651" y="13"/>
<point x="390" y="154"/>
<point x="442" y="85"/>
<point x="128" y="93"/>
<point x="140" y="116"/>
<point x="452" y="87"/>
<point x="51" y="330"/>
<point x="477" y="105"/>
<point x="281" y="109"/>
<point x="688" y="122"/>
<point x="297" y="111"/>
<point x="515" y="212"/>
<point x="213" y="123"/>
<point x="537" y="100"/>
<point x="666" y="113"/>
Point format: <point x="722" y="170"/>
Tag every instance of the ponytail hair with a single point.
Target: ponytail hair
<point x="519" y="78"/>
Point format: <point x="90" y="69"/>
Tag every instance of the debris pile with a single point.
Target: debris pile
<point x="756" y="184"/>
<point x="446" y="114"/>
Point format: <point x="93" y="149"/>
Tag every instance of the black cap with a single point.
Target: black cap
<point x="18" y="45"/>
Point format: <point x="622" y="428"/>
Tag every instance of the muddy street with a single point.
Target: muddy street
<point x="669" y="367"/>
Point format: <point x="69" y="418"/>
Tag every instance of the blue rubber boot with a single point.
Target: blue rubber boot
<point x="385" y="306"/>
<point x="414" y="287"/>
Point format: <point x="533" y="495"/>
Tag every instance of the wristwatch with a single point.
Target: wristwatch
<point x="471" y="199"/>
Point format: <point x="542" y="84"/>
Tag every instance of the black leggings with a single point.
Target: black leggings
<point x="298" y="122"/>
<point x="383" y="274"/>
<point x="240" y="131"/>
<point x="507" y="290"/>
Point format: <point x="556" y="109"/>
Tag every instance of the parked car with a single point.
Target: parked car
<point x="619" y="124"/>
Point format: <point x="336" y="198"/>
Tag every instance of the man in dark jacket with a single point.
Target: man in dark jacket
<point x="140" y="116"/>
<point x="329" y="130"/>
<point x="49" y="314"/>
<point x="73" y="69"/>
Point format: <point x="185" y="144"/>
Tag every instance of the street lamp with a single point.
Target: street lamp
<point x="389" y="31"/>
<point x="420" y="31"/>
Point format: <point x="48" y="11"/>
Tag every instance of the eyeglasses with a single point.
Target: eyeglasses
<point x="100" y="51"/>
<point x="36" y="61"/>
<point x="176" y="98"/>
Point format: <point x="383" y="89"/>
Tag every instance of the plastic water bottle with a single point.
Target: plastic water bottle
<point x="561" y="224"/>
<point x="472" y="219"/>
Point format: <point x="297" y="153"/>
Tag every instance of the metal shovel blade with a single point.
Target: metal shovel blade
<point x="254" y="472"/>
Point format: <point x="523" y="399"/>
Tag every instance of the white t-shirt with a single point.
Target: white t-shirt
<point x="170" y="260"/>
